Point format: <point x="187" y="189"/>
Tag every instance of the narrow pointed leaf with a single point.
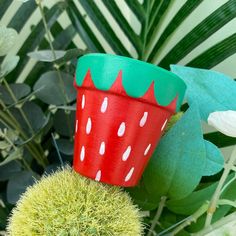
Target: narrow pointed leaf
<point x="103" y="26"/>
<point x="215" y="54"/>
<point x="200" y="33"/>
<point x="175" y="22"/>
<point x="83" y="29"/>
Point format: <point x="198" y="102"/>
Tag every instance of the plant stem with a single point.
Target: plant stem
<point x="9" y="119"/>
<point x="61" y="83"/>
<point x="223" y="221"/>
<point x="158" y="215"/>
<point x="213" y="203"/>
<point x="39" y="3"/>
<point x="15" y="148"/>
<point x="20" y="109"/>
<point x="191" y="219"/>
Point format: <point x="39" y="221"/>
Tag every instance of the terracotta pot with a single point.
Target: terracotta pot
<point x="123" y="106"/>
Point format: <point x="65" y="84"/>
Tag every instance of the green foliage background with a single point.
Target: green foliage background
<point x="31" y="150"/>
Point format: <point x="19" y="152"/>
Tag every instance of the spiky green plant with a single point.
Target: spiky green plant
<point x="66" y="203"/>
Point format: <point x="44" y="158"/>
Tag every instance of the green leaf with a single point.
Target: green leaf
<point x="141" y="197"/>
<point x="8" y="65"/>
<point x="176" y="166"/>
<point x="4" y="7"/>
<point x="70" y="54"/>
<point x="65" y="146"/>
<point x="175" y="22"/>
<point x="22" y="15"/>
<point x="191" y="203"/>
<point x="4" y="144"/>
<point x="18" y="184"/>
<point x="124" y="25"/>
<point x="19" y="91"/>
<point x="9" y="169"/>
<point x="78" y="21"/>
<point x="61" y="41"/>
<point x="216" y="20"/>
<point x="215" y="54"/>
<point x="104" y="28"/>
<point x="16" y="154"/>
<point x="50" y="88"/>
<point x="68" y="121"/>
<point x="34" y="115"/>
<point x="214" y="160"/>
<point x="47" y="55"/>
<point x="7" y="39"/>
<point x="35" y="38"/>
<point x="211" y="90"/>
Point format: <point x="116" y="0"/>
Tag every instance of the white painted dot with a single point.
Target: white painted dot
<point x="83" y="101"/>
<point x="76" y="126"/>
<point x="102" y="148"/>
<point x="104" y="105"/>
<point x="98" y="175"/>
<point x="163" y="126"/>
<point x="147" y="149"/>
<point x="126" y="154"/>
<point x="144" y="119"/>
<point x="88" y="126"/>
<point x="82" y="153"/>
<point x="121" y="129"/>
<point x="129" y="175"/>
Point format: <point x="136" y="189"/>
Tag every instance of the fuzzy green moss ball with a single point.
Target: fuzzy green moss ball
<point x="66" y="203"/>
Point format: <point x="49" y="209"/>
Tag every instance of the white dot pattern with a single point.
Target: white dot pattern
<point x="163" y="126"/>
<point x="98" y="175"/>
<point x="76" y="126"/>
<point x="83" y="102"/>
<point x="102" y="148"/>
<point x="121" y="129"/>
<point x="147" y="149"/>
<point x="144" y="119"/>
<point x="88" y="126"/>
<point x="104" y="105"/>
<point x="126" y="154"/>
<point x="129" y="175"/>
<point x="82" y="153"/>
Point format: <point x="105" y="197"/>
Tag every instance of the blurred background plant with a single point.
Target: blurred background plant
<point x="37" y="98"/>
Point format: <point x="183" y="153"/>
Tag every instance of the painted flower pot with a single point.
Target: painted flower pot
<point x="123" y="106"/>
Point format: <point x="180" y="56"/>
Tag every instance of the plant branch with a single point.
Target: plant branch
<point x="61" y="83"/>
<point x="192" y="218"/>
<point x="20" y="109"/>
<point x="223" y="221"/>
<point x="213" y="203"/>
<point x="158" y="215"/>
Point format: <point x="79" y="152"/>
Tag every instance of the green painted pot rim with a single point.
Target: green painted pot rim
<point x="137" y="77"/>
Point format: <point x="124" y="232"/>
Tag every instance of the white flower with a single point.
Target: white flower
<point x="224" y="121"/>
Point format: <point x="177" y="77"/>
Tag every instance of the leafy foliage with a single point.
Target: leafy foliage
<point x="184" y="167"/>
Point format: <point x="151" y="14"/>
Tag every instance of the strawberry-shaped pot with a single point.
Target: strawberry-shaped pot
<point x="123" y="106"/>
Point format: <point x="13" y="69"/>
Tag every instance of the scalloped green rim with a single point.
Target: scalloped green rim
<point x="137" y="77"/>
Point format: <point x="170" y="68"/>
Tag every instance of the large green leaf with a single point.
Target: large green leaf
<point x="19" y="91"/>
<point x="211" y="90"/>
<point x="55" y="88"/>
<point x="18" y="184"/>
<point x="176" y="166"/>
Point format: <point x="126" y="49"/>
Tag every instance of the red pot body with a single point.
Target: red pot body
<point x="115" y="136"/>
